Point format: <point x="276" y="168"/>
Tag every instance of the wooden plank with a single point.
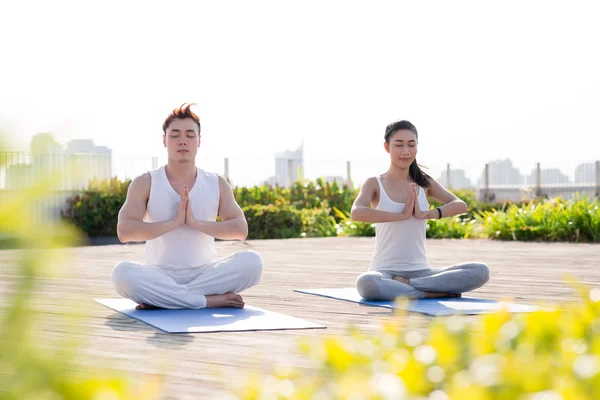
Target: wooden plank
<point x="197" y="365"/>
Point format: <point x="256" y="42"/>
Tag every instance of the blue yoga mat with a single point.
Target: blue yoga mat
<point x="209" y="319"/>
<point x="438" y="307"/>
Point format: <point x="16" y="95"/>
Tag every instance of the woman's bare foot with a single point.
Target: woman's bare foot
<point x="144" y="306"/>
<point x="224" y="300"/>
<point x="440" y="294"/>
<point x="400" y="279"/>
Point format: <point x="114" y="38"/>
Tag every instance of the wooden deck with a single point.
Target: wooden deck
<point x="196" y="365"/>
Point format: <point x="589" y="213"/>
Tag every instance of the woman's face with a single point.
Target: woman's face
<point x="402" y="147"/>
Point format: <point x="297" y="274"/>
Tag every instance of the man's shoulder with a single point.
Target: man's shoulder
<point x="141" y="183"/>
<point x="224" y="185"/>
<point x="213" y="176"/>
<point x="207" y="174"/>
<point x="143" y="178"/>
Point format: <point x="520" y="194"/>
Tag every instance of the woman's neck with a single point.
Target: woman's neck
<point x="395" y="173"/>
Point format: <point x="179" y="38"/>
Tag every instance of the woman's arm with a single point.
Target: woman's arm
<point x="361" y="210"/>
<point x="452" y="204"/>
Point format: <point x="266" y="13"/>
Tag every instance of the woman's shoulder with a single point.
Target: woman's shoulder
<point x="371" y="182"/>
<point x="431" y="184"/>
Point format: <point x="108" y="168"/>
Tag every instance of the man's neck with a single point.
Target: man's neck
<point x="181" y="171"/>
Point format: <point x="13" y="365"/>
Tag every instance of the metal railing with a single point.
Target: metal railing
<point x="494" y="182"/>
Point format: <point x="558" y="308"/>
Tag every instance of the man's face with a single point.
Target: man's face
<point x="182" y="140"/>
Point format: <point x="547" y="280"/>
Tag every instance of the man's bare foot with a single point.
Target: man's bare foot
<point x="224" y="300"/>
<point x="429" y="295"/>
<point x="401" y="279"/>
<point x="144" y="306"/>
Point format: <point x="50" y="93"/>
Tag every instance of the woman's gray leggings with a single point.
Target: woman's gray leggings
<point x="459" y="278"/>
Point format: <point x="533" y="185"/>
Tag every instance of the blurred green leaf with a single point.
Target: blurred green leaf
<point x="28" y="371"/>
<point x="550" y="353"/>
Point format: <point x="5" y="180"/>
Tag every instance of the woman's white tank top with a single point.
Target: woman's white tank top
<point x="400" y="245"/>
<point x="183" y="247"/>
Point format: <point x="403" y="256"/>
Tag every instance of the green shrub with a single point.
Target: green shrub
<point x="308" y="195"/>
<point x="95" y="212"/>
<point x="261" y="195"/>
<point x="349" y="227"/>
<point x="575" y="220"/>
<point x="284" y="221"/>
<point x="110" y="186"/>
<point x="451" y="228"/>
<point x="272" y="222"/>
<point x="51" y="369"/>
<point x="547" y="354"/>
<point x="469" y="196"/>
<point x="302" y="195"/>
<point x="318" y="223"/>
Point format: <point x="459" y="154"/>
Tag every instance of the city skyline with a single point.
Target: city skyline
<point x="75" y="163"/>
<point x="98" y="162"/>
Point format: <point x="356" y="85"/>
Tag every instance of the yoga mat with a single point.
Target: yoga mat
<point x="437" y="307"/>
<point x="209" y="319"/>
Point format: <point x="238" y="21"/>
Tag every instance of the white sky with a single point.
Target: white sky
<point x="480" y="80"/>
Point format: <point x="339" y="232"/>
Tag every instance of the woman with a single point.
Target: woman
<point x="397" y="203"/>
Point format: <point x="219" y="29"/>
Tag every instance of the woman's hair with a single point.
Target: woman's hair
<point x="415" y="171"/>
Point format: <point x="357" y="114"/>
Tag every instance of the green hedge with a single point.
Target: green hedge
<point x="575" y="220"/>
<point x="271" y="222"/>
<point x="51" y="369"/>
<point x="318" y="209"/>
<point x="302" y="196"/>
<point x="318" y="222"/>
<point x="96" y="211"/>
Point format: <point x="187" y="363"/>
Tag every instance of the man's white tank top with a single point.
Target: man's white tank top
<point x="183" y="247"/>
<point x="400" y="245"/>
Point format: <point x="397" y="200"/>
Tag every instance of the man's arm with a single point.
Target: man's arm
<point x="233" y="225"/>
<point x="361" y="210"/>
<point x="131" y="227"/>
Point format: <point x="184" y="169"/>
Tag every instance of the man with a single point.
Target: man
<point x="174" y="209"/>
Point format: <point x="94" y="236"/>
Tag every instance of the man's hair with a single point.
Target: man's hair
<point x="182" y="112"/>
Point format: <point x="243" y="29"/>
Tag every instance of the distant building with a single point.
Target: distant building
<point x="549" y="176"/>
<point x="85" y="146"/>
<point x="271" y="181"/>
<point x="283" y="161"/>
<point x="585" y="173"/>
<point x="44" y="143"/>
<point x="501" y="172"/>
<point x="69" y="169"/>
<point x="88" y="162"/>
<point x="458" y="179"/>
